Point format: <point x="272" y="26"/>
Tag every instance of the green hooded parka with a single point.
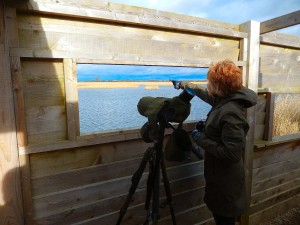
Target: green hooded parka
<point x="224" y="143"/>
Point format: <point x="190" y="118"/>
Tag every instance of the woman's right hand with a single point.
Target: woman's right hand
<point x="176" y="84"/>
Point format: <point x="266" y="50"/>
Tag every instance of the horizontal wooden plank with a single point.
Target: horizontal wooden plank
<point x="54" y="162"/>
<point x="280" y="22"/>
<point x="195" y="215"/>
<point x="39" y="101"/>
<point x="98" y="138"/>
<point x="279" y="67"/>
<point x="270" y="182"/>
<point x="98" y="173"/>
<point x="267" y="194"/>
<point x="281" y="90"/>
<point x="50" y="137"/>
<point x="44" y="100"/>
<point x="276" y="154"/>
<point x="280" y="39"/>
<point x="38" y="87"/>
<point x="40" y="70"/>
<point x="272" y="211"/>
<point x="136" y="215"/>
<point x="279" y="60"/>
<point x="131" y="58"/>
<point x="38" y="119"/>
<point x="60" y="201"/>
<point x="101" y="138"/>
<point x="186" y="62"/>
<point x="117" y="13"/>
<point x="276" y="169"/>
<point x="114" y="203"/>
<point x="285" y="83"/>
<point x="62" y="38"/>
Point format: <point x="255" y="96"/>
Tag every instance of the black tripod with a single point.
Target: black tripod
<point x="155" y="156"/>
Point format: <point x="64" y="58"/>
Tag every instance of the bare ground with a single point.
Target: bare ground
<point x="291" y="217"/>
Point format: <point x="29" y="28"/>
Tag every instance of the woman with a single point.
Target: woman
<point x="224" y="139"/>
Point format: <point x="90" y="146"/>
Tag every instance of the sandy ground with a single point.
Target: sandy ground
<point x="291" y="217"/>
<point x="125" y="84"/>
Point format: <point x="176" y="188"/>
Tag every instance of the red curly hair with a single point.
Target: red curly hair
<point x="225" y="77"/>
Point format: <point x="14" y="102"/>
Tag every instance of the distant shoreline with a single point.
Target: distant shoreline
<point x="129" y="84"/>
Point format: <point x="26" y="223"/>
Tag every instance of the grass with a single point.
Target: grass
<point x="286" y="115"/>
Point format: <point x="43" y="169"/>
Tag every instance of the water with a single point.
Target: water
<point x="116" y="109"/>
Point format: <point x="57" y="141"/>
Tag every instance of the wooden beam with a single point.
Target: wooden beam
<point x="243" y="57"/>
<point x="252" y="71"/>
<point x="19" y="101"/>
<point x="93" y="139"/>
<point x="280" y="39"/>
<point x="280" y="22"/>
<point x="125" y="14"/>
<point x="17" y="85"/>
<point x="71" y="99"/>
<point x="268" y="132"/>
<point x="26" y="188"/>
<point x="201" y="62"/>
<point x="10" y="196"/>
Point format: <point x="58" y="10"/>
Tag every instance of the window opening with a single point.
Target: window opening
<point x="108" y="94"/>
<point x="286" y="114"/>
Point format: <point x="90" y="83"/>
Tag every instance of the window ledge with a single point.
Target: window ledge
<point x="276" y="141"/>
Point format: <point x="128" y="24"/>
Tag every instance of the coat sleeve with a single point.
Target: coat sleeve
<point x="200" y="92"/>
<point x="230" y="148"/>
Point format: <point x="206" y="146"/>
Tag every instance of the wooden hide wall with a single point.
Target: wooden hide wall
<point x="279" y="62"/>
<point x="275" y="181"/>
<point x="276" y="184"/>
<point x="11" y="211"/>
<point x="68" y="178"/>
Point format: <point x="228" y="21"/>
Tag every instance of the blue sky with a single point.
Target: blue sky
<point x="232" y="11"/>
<point x="88" y="72"/>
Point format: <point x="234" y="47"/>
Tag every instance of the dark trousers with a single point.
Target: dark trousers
<point x="222" y="220"/>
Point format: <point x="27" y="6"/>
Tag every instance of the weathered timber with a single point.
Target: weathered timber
<point x="280" y="22"/>
<point x="251" y="82"/>
<point x="11" y="210"/>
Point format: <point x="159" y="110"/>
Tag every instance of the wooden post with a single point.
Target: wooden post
<point x="268" y="132"/>
<point x="252" y="71"/>
<point x="71" y="99"/>
<point x="11" y="210"/>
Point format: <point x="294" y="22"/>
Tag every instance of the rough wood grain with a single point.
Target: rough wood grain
<point x="280" y="22"/>
<point x="11" y="209"/>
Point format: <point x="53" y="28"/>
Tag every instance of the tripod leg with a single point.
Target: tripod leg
<point x="135" y="180"/>
<point x="149" y="185"/>
<point x="155" y="199"/>
<point x="168" y="189"/>
<point x="155" y="202"/>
